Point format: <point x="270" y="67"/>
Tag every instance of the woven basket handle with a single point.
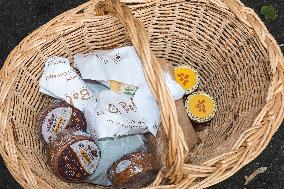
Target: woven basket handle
<point x="155" y="77"/>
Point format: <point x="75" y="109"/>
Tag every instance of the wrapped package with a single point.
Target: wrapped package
<point x="124" y="66"/>
<point x="159" y="145"/>
<point x="113" y="115"/>
<point x="74" y="156"/>
<point x="190" y="134"/>
<point x="57" y="117"/>
<point x="59" y="80"/>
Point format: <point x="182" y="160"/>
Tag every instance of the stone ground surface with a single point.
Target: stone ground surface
<point x="18" y="18"/>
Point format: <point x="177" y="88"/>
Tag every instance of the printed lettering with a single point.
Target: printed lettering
<point x="69" y="100"/>
<point x="85" y="156"/>
<point x="117" y="58"/>
<point x="124" y="106"/>
<point x="52" y="63"/>
<point x="58" y="125"/>
<point x="133" y="107"/>
<point x="85" y="94"/>
<point x="54" y="76"/>
<point x="75" y="96"/>
<point x="71" y="78"/>
<point x="112" y="108"/>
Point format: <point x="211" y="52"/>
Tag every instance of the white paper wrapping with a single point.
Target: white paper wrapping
<point x="59" y="80"/>
<point x="113" y="115"/>
<point x="123" y="65"/>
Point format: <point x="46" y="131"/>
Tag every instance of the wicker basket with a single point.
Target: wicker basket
<point x="239" y="62"/>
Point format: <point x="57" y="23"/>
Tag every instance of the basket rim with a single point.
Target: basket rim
<point x="249" y="145"/>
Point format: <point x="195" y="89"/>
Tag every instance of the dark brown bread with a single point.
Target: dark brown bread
<point x="135" y="170"/>
<point x="57" y="117"/>
<point x="69" y="152"/>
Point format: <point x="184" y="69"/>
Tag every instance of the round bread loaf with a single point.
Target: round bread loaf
<point x="134" y="170"/>
<point x="74" y="156"/>
<point x="57" y="117"/>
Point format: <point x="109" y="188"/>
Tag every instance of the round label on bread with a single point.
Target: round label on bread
<point x="55" y="122"/>
<point x="88" y="154"/>
<point x="56" y="118"/>
<point x="74" y="157"/>
<point x="122" y="166"/>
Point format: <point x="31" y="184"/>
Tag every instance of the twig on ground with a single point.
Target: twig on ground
<point x="254" y="174"/>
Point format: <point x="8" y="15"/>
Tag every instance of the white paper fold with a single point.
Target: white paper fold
<point x="59" y="80"/>
<point x="113" y="115"/>
<point x="121" y="64"/>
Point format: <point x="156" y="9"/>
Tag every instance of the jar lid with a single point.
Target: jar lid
<point x="200" y="107"/>
<point x="187" y="77"/>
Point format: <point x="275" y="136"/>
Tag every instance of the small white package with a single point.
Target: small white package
<point x="60" y="81"/>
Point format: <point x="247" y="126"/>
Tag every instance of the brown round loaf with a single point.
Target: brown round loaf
<point x="74" y="156"/>
<point x="134" y="170"/>
<point x="57" y="117"/>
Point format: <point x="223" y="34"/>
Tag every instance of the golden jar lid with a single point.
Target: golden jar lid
<point x="200" y="107"/>
<point x="187" y="77"/>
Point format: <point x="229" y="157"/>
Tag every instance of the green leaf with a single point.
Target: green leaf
<point x="269" y="13"/>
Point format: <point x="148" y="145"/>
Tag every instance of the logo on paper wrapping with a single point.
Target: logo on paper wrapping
<point x="105" y="60"/>
<point x="83" y="94"/>
<point x="122" y="88"/>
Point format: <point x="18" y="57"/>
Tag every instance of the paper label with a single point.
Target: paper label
<point x="120" y="88"/>
<point x="200" y="107"/>
<point x="55" y="122"/>
<point x="122" y="166"/>
<point x="187" y="77"/>
<point x="88" y="154"/>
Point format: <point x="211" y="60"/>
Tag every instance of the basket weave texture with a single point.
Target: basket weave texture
<point x="240" y="65"/>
